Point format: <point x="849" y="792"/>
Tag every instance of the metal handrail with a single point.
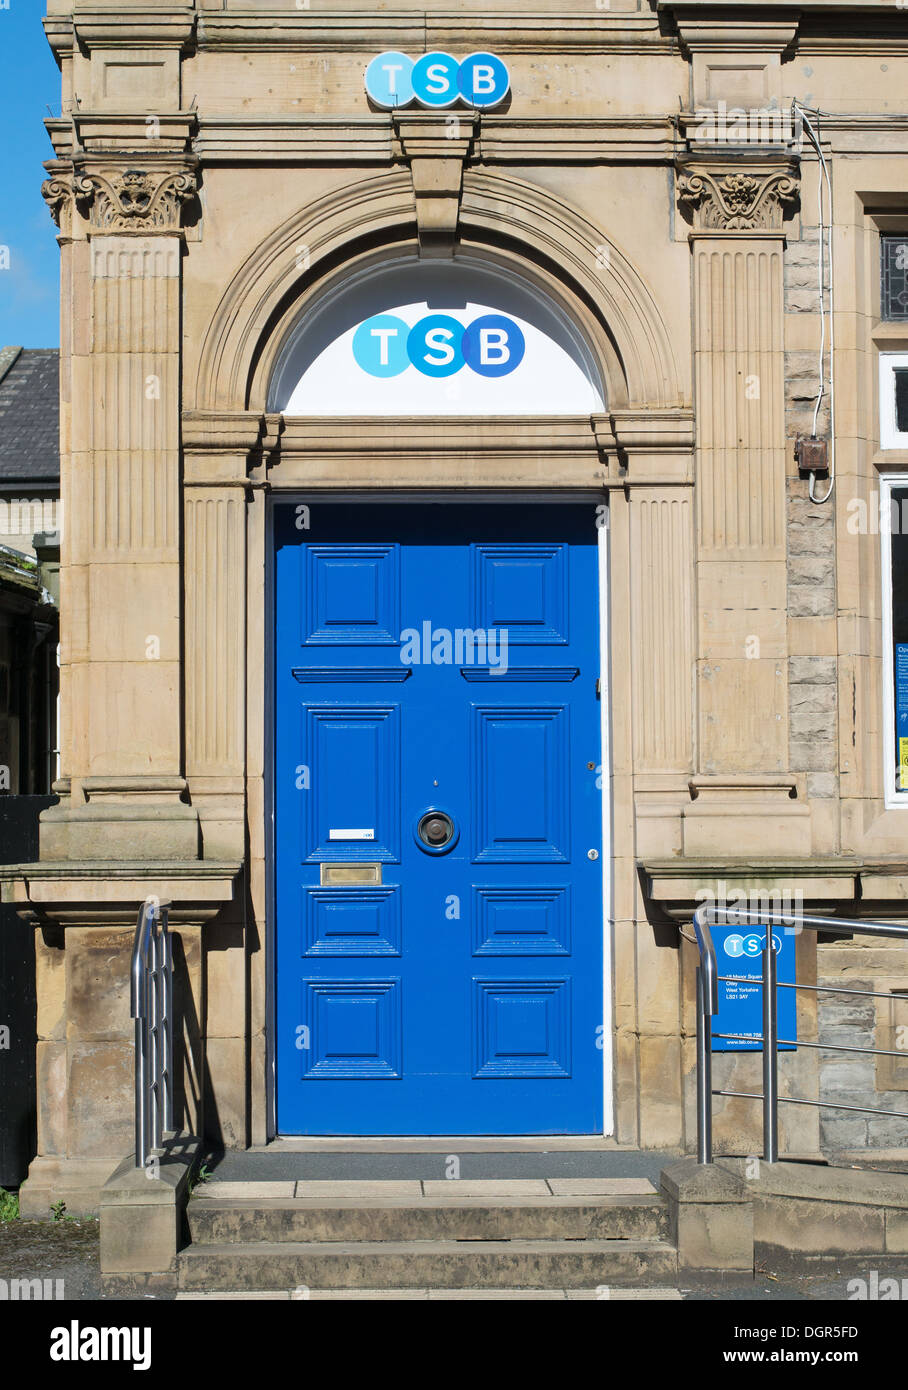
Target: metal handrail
<point x="708" y="977"/>
<point x="151" y="1005"/>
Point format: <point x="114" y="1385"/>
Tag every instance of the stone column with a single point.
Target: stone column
<point x="746" y="804"/>
<point x="124" y="827"/>
<point x="743" y="798"/>
<point x="121" y="570"/>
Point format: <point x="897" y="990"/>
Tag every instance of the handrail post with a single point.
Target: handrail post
<point x="151" y="1005"/>
<point x="704" y="1075"/>
<point x="141" y="1129"/>
<point x="168" y="1027"/>
<point x="770" y="1052"/>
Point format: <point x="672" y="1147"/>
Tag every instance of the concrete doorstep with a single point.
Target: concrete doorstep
<point x="555" y="1238"/>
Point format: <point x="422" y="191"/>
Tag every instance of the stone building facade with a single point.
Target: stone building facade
<point x="654" y="175"/>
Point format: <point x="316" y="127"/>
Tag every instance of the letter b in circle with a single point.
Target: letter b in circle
<point x="493" y="345"/>
<point x="483" y="80"/>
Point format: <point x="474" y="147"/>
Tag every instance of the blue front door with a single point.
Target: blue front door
<point x="438" y="879"/>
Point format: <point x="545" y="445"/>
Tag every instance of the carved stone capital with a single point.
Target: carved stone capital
<point x="736" y="199"/>
<point x="140" y="201"/>
<point x="57" y="192"/>
<point x="436" y="147"/>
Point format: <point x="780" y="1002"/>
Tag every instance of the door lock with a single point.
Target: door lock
<point x="436" y="831"/>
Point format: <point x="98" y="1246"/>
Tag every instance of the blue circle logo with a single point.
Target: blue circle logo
<point x="493" y="345"/>
<point x="483" y="80"/>
<point x="380" y="345"/>
<point x="435" y="80"/>
<point x="389" y="80"/>
<point x="751" y="945"/>
<point x="435" y="345"/>
<point x="438" y="345"/>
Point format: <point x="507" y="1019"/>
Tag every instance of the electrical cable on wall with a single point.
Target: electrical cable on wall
<point x="826" y="251"/>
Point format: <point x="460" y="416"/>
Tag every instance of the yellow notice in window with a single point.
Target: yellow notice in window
<point x="903" y="764"/>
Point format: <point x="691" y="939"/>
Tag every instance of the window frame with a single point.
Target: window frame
<point x="890" y="435"/>
<point x="894" y="799"/>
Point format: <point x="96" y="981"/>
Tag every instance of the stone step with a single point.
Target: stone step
<point x="426" y="1264"/>
<point x="621" y="1295"/>
<point x="219" y="1222"/>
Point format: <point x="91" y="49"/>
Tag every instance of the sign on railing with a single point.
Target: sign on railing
<point x="739" y="952"/>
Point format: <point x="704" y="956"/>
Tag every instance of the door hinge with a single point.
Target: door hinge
<point x="598" y="687"/>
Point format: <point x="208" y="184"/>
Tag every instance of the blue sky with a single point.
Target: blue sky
<point x="29" y="83"/>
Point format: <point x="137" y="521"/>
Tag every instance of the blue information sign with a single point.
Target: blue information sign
<point x="739" y="951"/>
<point x="901" y="712"/>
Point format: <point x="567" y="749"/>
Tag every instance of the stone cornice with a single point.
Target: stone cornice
<point x="369" y="139"/>
<point x="597" y="31"/>
<point x="701" y="25"/>
<point x="219" y="447"/>
<point x="122" y="28"/>
<point x="760" y="10"/>
<point x="728" y="195"/>
<point x="723" y="31"/>
<point x="626" y="448"/>
<point x="103" y="893"/>
<point x="58" y="30"/>
<point x="864" y="887"/>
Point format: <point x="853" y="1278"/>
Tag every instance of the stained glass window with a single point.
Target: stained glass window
<point x="895" y="276"/>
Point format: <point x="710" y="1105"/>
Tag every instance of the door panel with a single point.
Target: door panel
<point x="437" y="661"/>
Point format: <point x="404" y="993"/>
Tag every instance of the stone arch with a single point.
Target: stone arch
<point x="509" y="221"/>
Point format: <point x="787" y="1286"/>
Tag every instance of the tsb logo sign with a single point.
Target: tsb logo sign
<point x="437" y="80"/>
<point x="751" y="945"/>
<point x="438" y="345"/>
